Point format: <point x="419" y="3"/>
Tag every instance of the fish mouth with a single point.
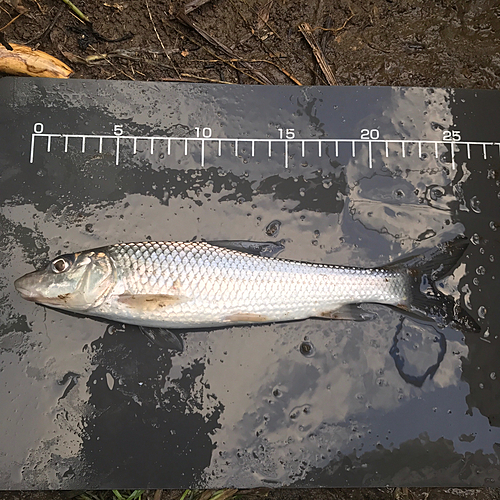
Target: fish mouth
<point x="26" y="293"/>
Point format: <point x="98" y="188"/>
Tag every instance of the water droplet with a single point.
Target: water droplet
<point x="493" y="375"/>
<point x="493" y="225"/>
<point x="302" y="217"/>
<point x="273" y="228"/>
<point x="436" y="193"/>
<point x="481" y="312"/>
<point x="316" y="234"/>
<point x="480" y="270"/>
<point x="426" y="235"/>
<point x="89" y="228"/>
<point x="475" y="239"/>
<point x="474" y="204"/>
<point x="481" y="386"/>
<point x="307" y="349"/>
<point x="444" y="157"/>
<point x="492" y="258"/>
<point x="110" y="381"/>
<point x="302" y="191"/>
<point x="475" y="281"/>
<point x="315" y="242"/>
<point x="467" y="293"/>
<point x="277" y="393"/>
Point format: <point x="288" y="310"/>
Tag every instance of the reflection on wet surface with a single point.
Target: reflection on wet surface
<point x="393" y="400"/>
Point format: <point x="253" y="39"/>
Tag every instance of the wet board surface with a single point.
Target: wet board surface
<point x="351" y="176"/>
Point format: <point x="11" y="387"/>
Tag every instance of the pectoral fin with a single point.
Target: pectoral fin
<point x="149" y="302"/>
<point x="163" y="338"/>
<point x="349" y="312"/>
<point x="262" y="248"/>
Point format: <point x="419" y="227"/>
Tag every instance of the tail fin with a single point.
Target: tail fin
<point x="425" y="299"/>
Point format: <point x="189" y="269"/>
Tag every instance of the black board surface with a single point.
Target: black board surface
<point x="350" y="176"/>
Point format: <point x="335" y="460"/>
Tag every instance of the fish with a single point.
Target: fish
<point x="181" y="285"/>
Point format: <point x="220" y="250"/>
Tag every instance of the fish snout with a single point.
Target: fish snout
<point x="24" y="289"/>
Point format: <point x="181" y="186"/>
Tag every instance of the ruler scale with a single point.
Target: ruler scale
<point x="273" y="144"/>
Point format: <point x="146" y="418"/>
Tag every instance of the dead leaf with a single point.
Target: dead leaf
<point x="16" y="4"/>
<point x="117" y="6"/>
<point x="23" y="61"/>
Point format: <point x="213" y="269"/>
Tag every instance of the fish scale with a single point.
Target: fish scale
<point x="198" y="284"/>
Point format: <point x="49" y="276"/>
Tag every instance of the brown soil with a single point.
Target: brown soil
<point x="378" y="42"/>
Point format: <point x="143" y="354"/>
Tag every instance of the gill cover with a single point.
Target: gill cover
<point x="75" y="282"/>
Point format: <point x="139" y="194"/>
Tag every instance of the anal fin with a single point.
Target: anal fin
<point x="349" y="312"/>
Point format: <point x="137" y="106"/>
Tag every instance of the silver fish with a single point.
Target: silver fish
<point x="199" y="284"/>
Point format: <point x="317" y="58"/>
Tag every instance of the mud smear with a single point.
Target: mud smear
<point x="311" y="402"/>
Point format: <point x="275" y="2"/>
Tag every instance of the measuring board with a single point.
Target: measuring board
<point x="287" y="140"/>
<point x="336" y="175"/>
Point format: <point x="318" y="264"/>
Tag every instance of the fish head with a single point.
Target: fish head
<point x="75" y="282"/>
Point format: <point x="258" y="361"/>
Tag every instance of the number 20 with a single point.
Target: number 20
<point x="373" y="134"/>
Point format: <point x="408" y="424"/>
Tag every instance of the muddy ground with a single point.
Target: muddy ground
<point x="440" y="43"/>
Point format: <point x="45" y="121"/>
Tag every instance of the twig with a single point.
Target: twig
<point x="275" y="31"/>
<point x="305" y="29"/>
<point x="206" y="79"/>
<point x="224" y="48"/>
<point x="76" y="10"/>
<point x="49" y="28"/>
<point x="194" y="4"/>
<point x="159" y="39"/>
<point x="334" y="29"/>
<point x="11" y="21"/>
<point x="4" y="42"/>
<point x="212" y="53"/>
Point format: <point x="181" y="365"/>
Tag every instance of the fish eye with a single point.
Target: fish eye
<point x="60" y="265"/>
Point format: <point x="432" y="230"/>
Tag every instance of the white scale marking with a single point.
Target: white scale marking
<point x="386" y="142"/>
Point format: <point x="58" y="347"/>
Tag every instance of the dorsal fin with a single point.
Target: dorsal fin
<point x="262" y="248"/>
